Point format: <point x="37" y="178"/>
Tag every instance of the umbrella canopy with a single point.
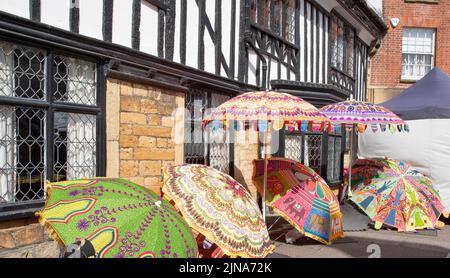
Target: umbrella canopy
<point x="119" y="218"/>
<point x="302" y="197"/>
<point x="218" y="207"/>
<point x="276" y="107"/>
<point x="352" y="112"/>
<point x="391" y="192"/>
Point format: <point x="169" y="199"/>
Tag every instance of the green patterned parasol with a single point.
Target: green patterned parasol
<point x="119" y="218"/>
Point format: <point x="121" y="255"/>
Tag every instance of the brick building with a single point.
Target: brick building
<point x="416" y="41"/>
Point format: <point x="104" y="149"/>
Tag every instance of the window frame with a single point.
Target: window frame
<point x="206" y="93"/>
<point x="23" y="209"/>
<point x="268" y="18"/>
<point x="346" y="28"/>
<point x="322" y="168"/>
<point x="405" y="78"/>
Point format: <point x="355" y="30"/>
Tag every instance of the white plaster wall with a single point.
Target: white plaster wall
<point x="192" y="34"/>
<point x="91" y="17"/>
<point x="210" y="58"/>
<point x="149" y="28"/>
<point x="121" y="29"/>
<point x="56" y="13"/>
<point x="17" y="7"/>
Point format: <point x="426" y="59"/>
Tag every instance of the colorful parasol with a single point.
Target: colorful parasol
<point x="359" y="114"/>
<point x="119" y="218"/>
<point x="268" y="106"/>
<point x="302" y="197"/>
<point x="362" y="114"/>
<point x="219" y="208"/>
<point x="391" y="192"/>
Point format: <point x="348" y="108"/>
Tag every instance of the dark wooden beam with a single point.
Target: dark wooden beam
<point x="135" y="24"/>
<point x="161" y="27"/>
<point x="183" y="24"/>
<point x="217" y="39"/>
<point x="132" y="61"/>
<point x="170" y="29"/>
<point x="232" y="39"/>
<point x="244" y="25"/>
<point x="107" y="20"/>
<point x="201" y="35"/>
<point x="35" y="10"/>
<point x="74" y="16"/>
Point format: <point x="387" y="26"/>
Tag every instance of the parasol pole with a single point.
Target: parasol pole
<point x="265" y="176"/>
<point x="349" y="190"/>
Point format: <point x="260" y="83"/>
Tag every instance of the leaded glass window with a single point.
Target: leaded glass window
<point x="205" y="145"/>
<point x="48" y="120"/>
<point x="342" y="40"/>
<point x="278" y="16"/>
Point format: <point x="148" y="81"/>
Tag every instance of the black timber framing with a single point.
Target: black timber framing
<point x="201" y="34"/>
<point x="244" y="26"/>
<point x="317" y="94"/>
<point x="35" y="10"/>
<point x="123" y="62"/>
<point x="135" y="24"/>
<point x="365" y="15"/>
<point x="107" y="20"/>
<point x="218" y="35"/>
<point x="169" y="38"/>
<point x="161" y="27"/>
<point x="74" y="16"/>
<point x="232" y="40"/>
<point x="183" y="24"/>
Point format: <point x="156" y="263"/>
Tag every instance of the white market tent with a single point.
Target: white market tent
<point x="425" y="107"/>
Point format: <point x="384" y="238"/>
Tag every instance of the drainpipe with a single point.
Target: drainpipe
<point x="249" y="44"/>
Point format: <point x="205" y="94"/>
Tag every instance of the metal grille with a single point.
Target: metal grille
<point x="304" y="148"/>
<point x="205" y="146"/>
<point x="22" y="153"/>
<point x="75" y="81"/>
<point x="293" y="147"/>
<point x="218" y="147"/>
<point x="74" y="146"/>
<point x="22" y="71"/>
<point x="194" y="147"/>
<point x="334" y="158"/>
<point x="313" y="152"/>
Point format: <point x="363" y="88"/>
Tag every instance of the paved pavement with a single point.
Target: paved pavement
<point x="370" y="243"/>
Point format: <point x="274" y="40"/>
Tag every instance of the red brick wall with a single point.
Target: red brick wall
<point x="386" y="64"/>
